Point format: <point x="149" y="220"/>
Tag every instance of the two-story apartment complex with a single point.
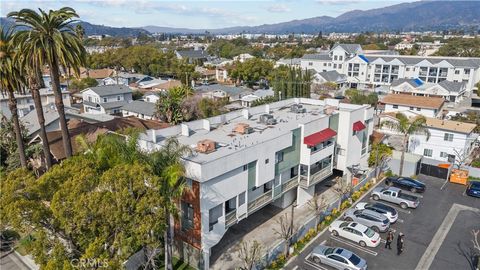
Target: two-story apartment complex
<point x="412" y="105"/>
<point x="448" y="140"/>
<point x="270" y="154"/>
<point x="450" y="91"/>
<point x="25" y="102"/>
<point x="365" y="70"/>
<point x="106" y="99"/>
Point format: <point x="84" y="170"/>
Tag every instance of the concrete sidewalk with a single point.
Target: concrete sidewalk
<point x="229" y="258"/>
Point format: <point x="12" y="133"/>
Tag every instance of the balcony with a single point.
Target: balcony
<point x="423" y="73"/>
<point x="377" y="70"/>
<point x="395" y="71"/>
<point x="231" y="218"/>
<point x="262" y="200"/>
<point x="288" y="185"/>
<point x="443" y="74"/>
<point x="316" y="177"/>
<point x="321" y="146"/>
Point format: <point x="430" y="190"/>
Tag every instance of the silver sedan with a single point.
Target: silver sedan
<point x="338" y="258"/>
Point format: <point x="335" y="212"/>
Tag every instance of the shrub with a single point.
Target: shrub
<point x="356" y="195"/>
<point x="389" y="173"/>
<point x="328" y="218"/>
<point x="273" y="265"/>
<point x="334" y="212"/>
<point x="345" y="205"/>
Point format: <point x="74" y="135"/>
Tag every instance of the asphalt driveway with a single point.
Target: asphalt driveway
<point x="437" y="233"/>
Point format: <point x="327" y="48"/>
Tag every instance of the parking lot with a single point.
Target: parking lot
<point x="437" y="233"/>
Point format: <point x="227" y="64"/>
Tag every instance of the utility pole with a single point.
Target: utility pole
<point x="291" y="222"/>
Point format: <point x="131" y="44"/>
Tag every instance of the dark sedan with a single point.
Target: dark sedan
<point x="473" y="189"/>
<point x="406" y="184"/>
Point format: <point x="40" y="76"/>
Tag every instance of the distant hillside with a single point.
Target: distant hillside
<point x="416" y="16"/>
<point x="94" y="29"/>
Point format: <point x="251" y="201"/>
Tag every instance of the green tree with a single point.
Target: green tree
<point x="407" y="127"/>
<point x="80" y="84"/>
<point x="357" y="97"/>
<point x="166" y="164"/>
<point x="460" y="47"/>
<point x="251" y="70"/>
<point x="50" y="39"/>
<point x="169" y="106"/>
<point x="11" y="81"/>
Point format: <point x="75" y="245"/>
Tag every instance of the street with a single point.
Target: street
<point x="437" y="233"/>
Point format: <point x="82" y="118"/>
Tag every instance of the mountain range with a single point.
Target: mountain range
<point x="415" y="16"/>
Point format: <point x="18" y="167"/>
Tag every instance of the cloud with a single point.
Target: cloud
<point x="339" y="2"/>
<point x="278" y="8"/>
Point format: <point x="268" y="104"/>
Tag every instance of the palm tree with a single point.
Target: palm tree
<point x="51" y="40"/>
<point x="407" y="127"/>
<point x="10" y="82"/>
<point x="166" y="163"/>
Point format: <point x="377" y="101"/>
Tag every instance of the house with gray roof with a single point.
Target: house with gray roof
<point x="140" y="109"/>
<point x="193" y="55"/>
<point x="106" y="99"/>
<point x="219" y="91"/>
<point x="331" y="76"/>
<point x="453" y="92"/>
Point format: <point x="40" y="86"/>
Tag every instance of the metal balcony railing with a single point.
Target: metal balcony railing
<point x="316" y="177"/>
<point x="293" y="182"/>
<point x="231" y="218"/>
<point x="260" y="201"/>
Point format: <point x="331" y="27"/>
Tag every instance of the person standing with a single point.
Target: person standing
<point x="400" y="243"/>
<point x="389" y="239"/>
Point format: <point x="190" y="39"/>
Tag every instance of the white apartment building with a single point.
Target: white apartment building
<point x="411" y="105"/>
<point x="449" y="140"/>
<point x="106" y="99"/>
<point x="270" y="154"/>
<point x="454" y="92"/>
<point x="25" y="102"/>
<point x="363" y="70"/>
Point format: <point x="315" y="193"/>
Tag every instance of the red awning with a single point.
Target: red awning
<point x="357" y="126"/>
<point x="319" y="137"/>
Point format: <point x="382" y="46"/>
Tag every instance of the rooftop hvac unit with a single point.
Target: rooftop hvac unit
<point x="297" y="108"/>
<point x="243" y="128"/>
<point x="267" y="119"/>
<point x="206" y="146"/>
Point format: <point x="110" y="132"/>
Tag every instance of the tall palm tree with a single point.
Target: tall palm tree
<point x="166" y="163"/>
<point x="11" y="82"/>
<point x="50" y="37"/>
<point x="407" y="127"/>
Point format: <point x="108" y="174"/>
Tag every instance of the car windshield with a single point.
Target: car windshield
<point x="475" y="185"/>
<point x="354" y="259"/>
<point x="329" y="251"/>
<point x="344" y="224"/>
<point x="369" y="232"/>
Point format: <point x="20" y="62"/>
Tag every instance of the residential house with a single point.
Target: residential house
<point x="219" y="91"/>
<point x="448" y="141"/>
<point x="243" y="57"/>
<point x="331" y="76"/>
<point x="140" y="109"/>
<point x="106" y="99"/>
<point x="193" y="56"/>
<point x="257" y="94"/>
<point x="363" y="70"/>
<point x="25" y="102"/>
<point x="221" y="74"/>
<point x="292" y="62"/>
<point x="159" y="85"/>
<point x="270" y="154"/>
<point x="451" y="92"/>
<point x="126" y="78"/>
<point x="413" y="105"/>
<point x="206" y="74"/>
<point x="97" y="74"/>
<point x="91" y="131"/>
<point x="151" y="97"/>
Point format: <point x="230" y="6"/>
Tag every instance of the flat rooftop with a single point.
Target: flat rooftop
<point x="222" y="127"/>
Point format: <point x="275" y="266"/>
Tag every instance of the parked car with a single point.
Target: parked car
<point x="338" y="258"/>
<point x="355" y="232"/>
<point x="395" y="195"/>
<point x="473" y="189"/>
<point x="380" y="208"/>
<point x="406" y="183"/>
<point x="374" y="220"/>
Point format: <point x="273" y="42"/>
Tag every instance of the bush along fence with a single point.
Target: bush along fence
<point x="276" y="259"/>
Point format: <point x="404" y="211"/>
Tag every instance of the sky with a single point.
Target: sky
<point x="199" y="14"/>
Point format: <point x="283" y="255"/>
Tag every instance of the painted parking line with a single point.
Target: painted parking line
<point x="400" y="220"/>
<point x="310" y="263"/>
<point x="366" y="250"/>
<point x="295" y="268"/>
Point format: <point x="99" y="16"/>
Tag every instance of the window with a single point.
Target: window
<point x="241" y="198"/>
<point x="324" y="64"/>
<point x="467" y="71"/>
<point x="443" y="154"/>
<point x="411" y="108"/>
<point x="245" y="167"/>
<point x="339" y="65"/>
<point x="335" y="57"/>
<point x="89" y="98"/>
<point x="278" y="157"/>
<point x="118" y="98"/>
<point x="419" y="109"/>
<point x="395" y="106"/>
<point x="187" y="216"/>
<point x="266" y="161"/>
<point x="340" y="58"/>
<point x="338" y="259"/>
<point x="310" y="63"/>
<point x="213" y="215"/>
<point x="448" y="137"/>
<point x="457" y="72"/>
<point x="407" y="69"/>
<point x="427" y="152"/>
<point x="334" y="65"/>
<point x="104" y="99"/>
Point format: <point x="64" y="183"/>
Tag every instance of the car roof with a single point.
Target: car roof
<point x="344" y="252"/>
<point x="382" y="206"/>
<point x="373" y="213"/>
<point x="357" y="226"/>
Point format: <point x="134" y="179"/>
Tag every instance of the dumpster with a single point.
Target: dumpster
<point x="459" y="176"/>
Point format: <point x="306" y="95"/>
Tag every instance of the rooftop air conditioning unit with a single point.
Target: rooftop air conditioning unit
<point x="243" y="128"/>
<point x="297" y="108"/>
<point x="267" y="119"/>
<point x="206" y="146"/>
